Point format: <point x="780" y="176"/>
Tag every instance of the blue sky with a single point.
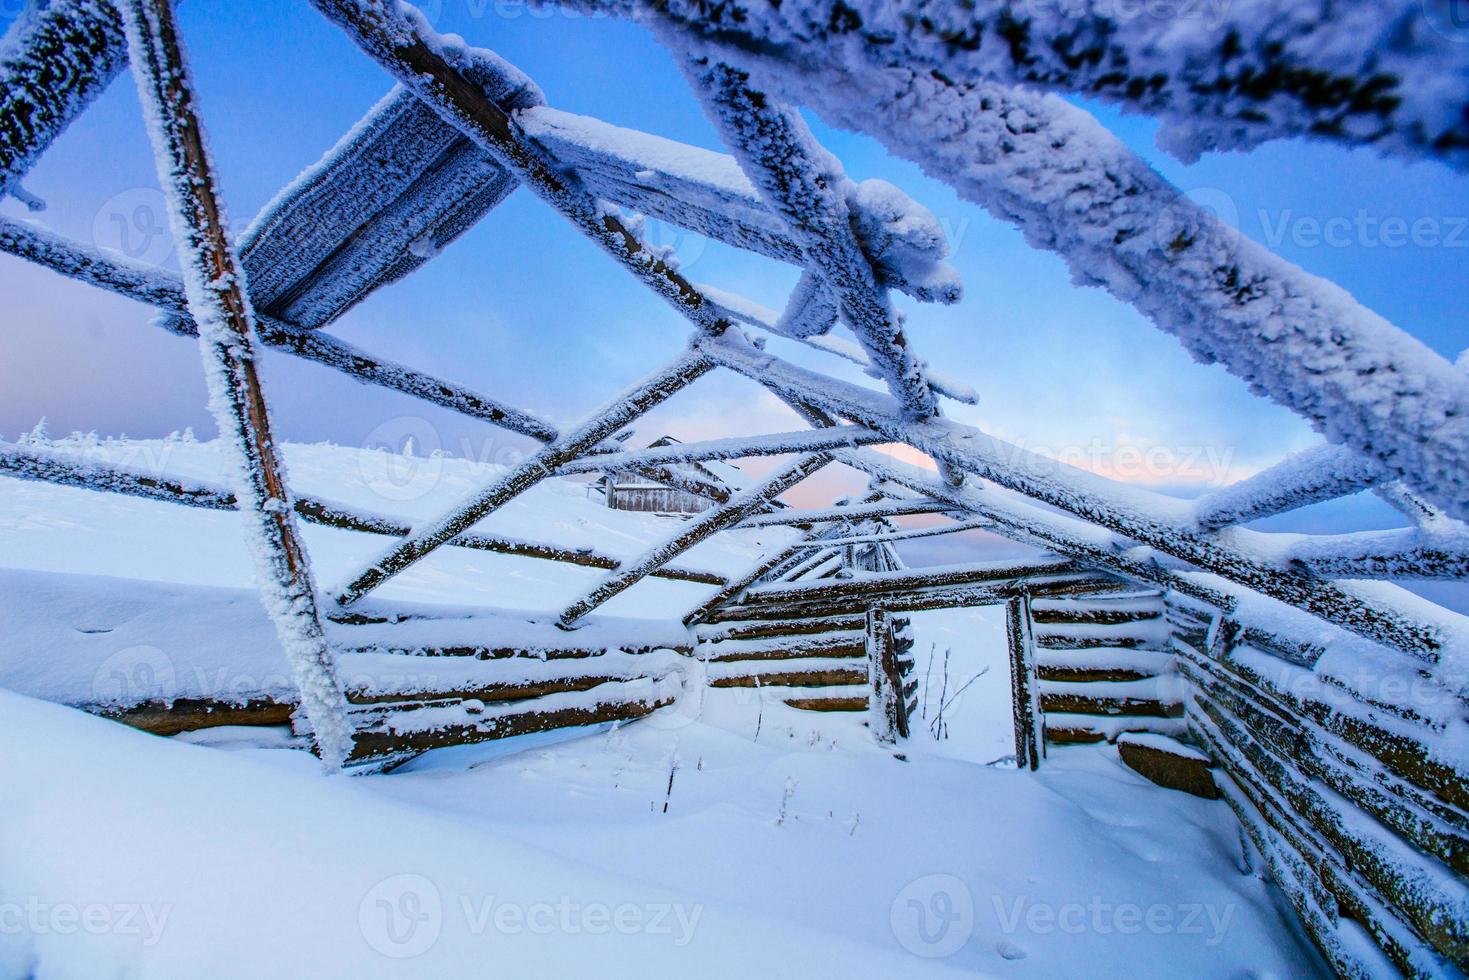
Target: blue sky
<point x="524" y="309"/>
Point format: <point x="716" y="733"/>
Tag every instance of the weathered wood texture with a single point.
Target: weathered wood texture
<point x="1360" y="817"/>
<point x="59" y="58"/>
<point x="1025" y="711"/>
<point x="218" y="304"/>
<point x="887" y="714"/>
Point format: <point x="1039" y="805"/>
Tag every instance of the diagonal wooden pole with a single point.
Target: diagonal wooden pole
<point x="627" y="406"/>
<point x="226" y="337"/>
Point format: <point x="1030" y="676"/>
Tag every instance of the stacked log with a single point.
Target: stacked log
<point x="1360" y="814"/>
<point x="817" y="663"/>
<point x="1103" y="668"/>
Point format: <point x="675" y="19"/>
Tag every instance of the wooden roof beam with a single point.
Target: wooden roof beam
<point x="774" y="444"/>
<point x="1154" y="519"/>
<point x="805" y="185"/>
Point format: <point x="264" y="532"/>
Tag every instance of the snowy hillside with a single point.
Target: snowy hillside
<point x="703" y="841"/>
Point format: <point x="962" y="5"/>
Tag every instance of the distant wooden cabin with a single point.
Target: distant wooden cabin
<point x="633" y="491"/>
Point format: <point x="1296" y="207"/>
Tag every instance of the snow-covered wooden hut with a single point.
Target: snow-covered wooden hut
<point x="1291" y="678"/>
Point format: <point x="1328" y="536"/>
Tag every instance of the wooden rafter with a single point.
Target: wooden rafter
<point x="1140" y="515"/>
<point x="627" y="406"/>
<point x="226" y="339"/>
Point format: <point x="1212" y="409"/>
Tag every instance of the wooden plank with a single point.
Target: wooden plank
<point x="1025" y="712"/>
<point x="910" y="580"/>
<point x="226" y="336"/>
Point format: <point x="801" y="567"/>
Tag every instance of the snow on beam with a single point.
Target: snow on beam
<point x="917" y="600"/>
<point x="396" y="190"/>
<point x="707" y="193"/>
<point x="1399" y="554"/>
<point x="1074" y="188"/>
<point x="1307" y="477"/>
<point x="57" y="57"/>
<point x="702" y="526"/>
<point x="218" y="303"/>
<point x="452" y="79"/>
<point x="627" y="406"/>
<point x="1154" y="519"/>
<point x="738" y="309"/>
<point x="805" y="185"/>
<point x="811" y="310"/>
<point x="849" y="512"/>
<point x="1393" y="74"/>
<point x="774" y="444"/>
<point x="907" y="581"/>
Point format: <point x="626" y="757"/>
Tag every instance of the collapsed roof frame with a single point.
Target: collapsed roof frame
<point x="800" y="212"/>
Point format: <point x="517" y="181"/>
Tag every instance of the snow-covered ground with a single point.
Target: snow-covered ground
<point x="724" y="836"/>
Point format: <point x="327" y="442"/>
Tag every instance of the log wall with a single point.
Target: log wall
<point x="1103" y="667"/>
<point x="1355" y="804"/>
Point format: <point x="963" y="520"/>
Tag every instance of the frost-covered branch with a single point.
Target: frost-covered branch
<point x="220" y="308"/>
<point x="1075" y="189"/>
<point x="1393" y="74"/>
<point x="1307" y="477"/>
<point x="55" y="59"/>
